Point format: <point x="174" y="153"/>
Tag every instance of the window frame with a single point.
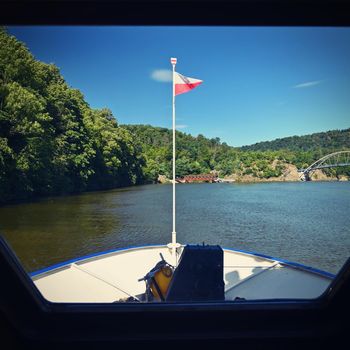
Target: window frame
<point x="35" y="321"/>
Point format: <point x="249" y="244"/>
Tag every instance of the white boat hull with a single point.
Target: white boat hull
<point x="114" y="276"/>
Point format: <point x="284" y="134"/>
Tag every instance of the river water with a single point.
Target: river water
<point x="306" y="222"/>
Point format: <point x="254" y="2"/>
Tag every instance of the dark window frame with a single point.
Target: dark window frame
<point x="27" y="319"/>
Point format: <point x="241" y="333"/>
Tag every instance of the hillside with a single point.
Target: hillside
<point x="194" y="155"/>
<point x="51" y="141"/>
<point x="199" y="154"/>
<point x="331" y="140"/>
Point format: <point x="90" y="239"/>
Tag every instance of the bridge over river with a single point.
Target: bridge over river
<point x="332" y="160"/>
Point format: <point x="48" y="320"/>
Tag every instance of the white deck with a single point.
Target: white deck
<point x="114" y="276"/>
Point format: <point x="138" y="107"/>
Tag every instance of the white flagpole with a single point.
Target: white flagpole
<point x="174" y="152"/>
<point x="173" y="245"/>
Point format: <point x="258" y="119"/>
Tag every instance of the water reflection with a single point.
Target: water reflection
<point x="57" y="229"/>
<point x="304" y="222"/>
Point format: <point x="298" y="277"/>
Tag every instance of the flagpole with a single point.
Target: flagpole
<point x="173" y="245"/>
<point x="183" y="84"/>
<point x="174" y="163"/>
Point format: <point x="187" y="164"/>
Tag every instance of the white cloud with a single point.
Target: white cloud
<point x="307" y="84"/>
<point x="162" y="75"/>
<point x="181" y="126"/>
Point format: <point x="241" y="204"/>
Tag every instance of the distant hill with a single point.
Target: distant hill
<point x="194" y="155"/>
<point x="332" y="140"/>
<point x="262" y="161"/>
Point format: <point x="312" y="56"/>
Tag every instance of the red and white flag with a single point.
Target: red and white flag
<point x="184" y="84"/>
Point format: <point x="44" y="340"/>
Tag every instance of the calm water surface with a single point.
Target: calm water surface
<point x="307" y="223"/>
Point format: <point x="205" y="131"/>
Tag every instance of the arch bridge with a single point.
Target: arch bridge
<point x="332" y="160"/>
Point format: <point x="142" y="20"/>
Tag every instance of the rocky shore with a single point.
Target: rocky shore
<point x="290" y="174"/>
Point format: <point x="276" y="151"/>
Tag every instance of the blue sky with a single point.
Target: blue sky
<point x="259" y="83"/>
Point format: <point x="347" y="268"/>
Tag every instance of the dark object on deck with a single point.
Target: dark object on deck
<point x="199" y="275"/>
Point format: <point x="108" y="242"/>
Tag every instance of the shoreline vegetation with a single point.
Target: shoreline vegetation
<point x="280" y="160"/>
<point x="53" y="143"/>
<point x="289" y="174"/>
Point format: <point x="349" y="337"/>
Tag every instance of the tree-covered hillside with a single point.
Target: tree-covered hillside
<point x="194" y="155"/>
<point x="201" y="155"/>
<point x="51" y="141"/>
<point x="331" y="141"/>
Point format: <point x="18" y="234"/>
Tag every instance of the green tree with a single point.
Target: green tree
<point x="51" y="141"/>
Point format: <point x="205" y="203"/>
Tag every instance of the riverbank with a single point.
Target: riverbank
<point x="39" y="198"/>
<point x="289" y="174"/>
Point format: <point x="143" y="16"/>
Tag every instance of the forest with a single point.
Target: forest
<point x="53" y="143"/>
<point x="198" y="155"/>
<point x="331" y="141"/>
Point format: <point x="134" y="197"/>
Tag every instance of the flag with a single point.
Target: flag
<point x="184" y="84"/>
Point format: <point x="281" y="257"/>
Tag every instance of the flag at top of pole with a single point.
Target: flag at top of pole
<point x="181" y="84"/>
<point x="184" y="84"/>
